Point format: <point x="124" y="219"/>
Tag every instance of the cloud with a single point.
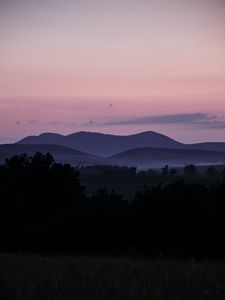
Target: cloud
<point x="90" y="123"/>
<point x="214" y="124"/>
<point x="72" y="123"/>
<point x="164" y="119"/>
<point x="31" y="122"/>
<point x="196" y="120"/>
<point x="54" y="123"/>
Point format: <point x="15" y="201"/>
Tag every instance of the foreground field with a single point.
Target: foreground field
<point x="84" y="278"/>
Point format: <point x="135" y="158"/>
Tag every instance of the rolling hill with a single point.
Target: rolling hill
<point x="213" y="146"/>
<point x="146" y="149"/>
<point x="104" y="144"/>
<point x="61" y="154"/>
<point x="155" y="157"/>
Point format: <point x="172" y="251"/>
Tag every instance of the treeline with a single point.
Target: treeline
<point x="107" y="169"/>
<point x="44" y="208"/>
<point x="187" y="170"/>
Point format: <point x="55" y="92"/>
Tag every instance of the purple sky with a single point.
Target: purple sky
<point x="113" y="66"/>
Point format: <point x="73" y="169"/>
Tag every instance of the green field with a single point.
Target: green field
<point x="84" y="278"/>
<point x="128" y="184"/>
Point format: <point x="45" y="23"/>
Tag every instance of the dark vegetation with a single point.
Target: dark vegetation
<point x="33" y="277"/>
<point x="45" y="209"/>
<point x="107" y="169"/>
<point x="128" y="184"/>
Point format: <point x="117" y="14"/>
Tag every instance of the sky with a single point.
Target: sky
<point x="117" y="67"/>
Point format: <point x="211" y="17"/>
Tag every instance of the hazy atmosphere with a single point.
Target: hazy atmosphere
<point x="113" y="66"/>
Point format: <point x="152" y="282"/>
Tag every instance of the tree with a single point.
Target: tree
<point x="211" y="171"/>
<point x="38" y="186"/>
<point x="152" y="172"/>
<point x="173" y="172"/>
<point x="223" y="172"/>
<point x="190" y="170"/>
<point x="165" y="170"/>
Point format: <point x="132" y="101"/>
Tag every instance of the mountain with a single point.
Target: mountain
<point x="156" y="157"/>
<point x="104" y="144"/>
<point x="213" y="146"/>
<point x="146" y="148"/>
<point x="61" y="154"/>
<point x="140" y="157"/>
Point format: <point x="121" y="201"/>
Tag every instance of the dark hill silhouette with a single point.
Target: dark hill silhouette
<point x="139" y="157"/>
<point x="213" y="146"/>
<point x="61" y="154"/>
<point x="104" y="144"/>
<point x="107" y="144"/>
<point x="159" y="156"/>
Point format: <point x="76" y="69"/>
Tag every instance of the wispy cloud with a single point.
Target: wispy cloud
<point x="54" y="123"/>
<point x="31" y="122"/>
<point x="164" y="119"/>
<point x="213" y="124"/>
<point x="196" y="120"/>
<point x="90" y="123"/>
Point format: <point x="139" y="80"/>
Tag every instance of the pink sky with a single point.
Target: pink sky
<point x="67" y="66"/>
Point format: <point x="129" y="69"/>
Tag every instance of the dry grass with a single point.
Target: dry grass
<point x="84" y="278"/>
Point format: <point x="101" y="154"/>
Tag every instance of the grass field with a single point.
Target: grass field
<point x="66" y="278"/>
<point x="128" y="184"/>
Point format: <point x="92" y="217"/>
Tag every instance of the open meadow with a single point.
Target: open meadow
<point x="33" y="277"/>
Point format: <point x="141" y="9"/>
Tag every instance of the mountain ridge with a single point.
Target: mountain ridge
<point x="155" y="157"/>
<point x="61" y="154"/>
<point x="105" y="145"/>
<point x="139" y="157"/>
<point x="101" y="144"/>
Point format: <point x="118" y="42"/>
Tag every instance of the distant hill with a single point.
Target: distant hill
<point x="142" y="149"/>
<point x="155" y="157"/>
<point x="213" y="146"/>
<point x="61" y="154"/>
<point x="104" y="144"/>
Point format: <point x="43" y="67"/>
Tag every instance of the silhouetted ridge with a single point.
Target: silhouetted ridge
<point x="108" y="145"/>
<point x="160" y="156"/>
<point x="105" y="144"/>
<point x="60" y="153"/>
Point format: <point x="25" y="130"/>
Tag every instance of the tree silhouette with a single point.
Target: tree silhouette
<point x="211" y="171"/>
<point x="223" y="172"/>
<point x="165" y="170"/>
<point x="43" y="208"/>
<point x="190" y="170"/>
<point x="38" y="187"/>
<point x="173" y="172"/>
